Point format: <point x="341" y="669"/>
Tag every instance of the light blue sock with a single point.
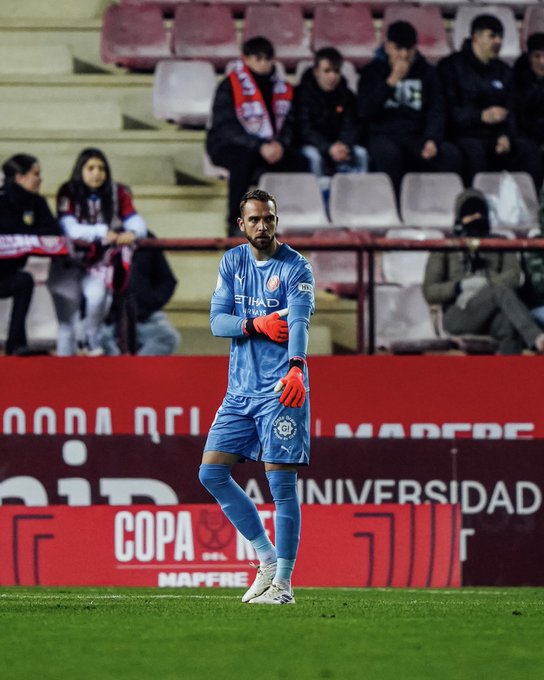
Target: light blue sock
<point x="234" y="502"/>
<point x="283" y="486"/>
<point x="284" y="571"/>
<point x="264" y="549"/>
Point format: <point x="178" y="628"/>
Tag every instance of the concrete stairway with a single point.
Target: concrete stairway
<point x="57" y="97"/>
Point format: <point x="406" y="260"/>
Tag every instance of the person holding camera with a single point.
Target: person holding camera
<point x="477" y="290"/>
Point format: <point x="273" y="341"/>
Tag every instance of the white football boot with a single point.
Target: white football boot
<point x="263" y="580"/>
<point x="274" y="595"/>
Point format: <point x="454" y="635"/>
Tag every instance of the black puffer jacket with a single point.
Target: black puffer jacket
<point x="529" y="100"/>
<point x="413" y="108"/>
<point x="23" y="212"/>
<point x="323" y="118"/>
<point x="470" y="86"/>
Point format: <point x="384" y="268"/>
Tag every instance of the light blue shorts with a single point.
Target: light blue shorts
<point x="261" y="429"/>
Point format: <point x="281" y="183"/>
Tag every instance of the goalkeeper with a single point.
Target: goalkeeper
<point x="263" y="301"/>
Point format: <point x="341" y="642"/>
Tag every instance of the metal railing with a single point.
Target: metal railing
<point x="365" y="246"/>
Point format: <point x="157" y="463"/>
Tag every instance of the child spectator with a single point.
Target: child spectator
<point x="92" y="208"/>
<point x="327" y="127"/>
<point x="252" y="124"/>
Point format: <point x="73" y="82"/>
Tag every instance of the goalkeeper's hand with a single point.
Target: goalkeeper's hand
<point x="293" y="392"/>
<point x="271" y="325"/>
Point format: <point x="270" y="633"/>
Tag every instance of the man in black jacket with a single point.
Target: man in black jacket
<point x="529" y="89"/>
<point x="479" y="102"/>
<point x="151" y="284"/>
<point x="400" y="102"/>
<point x="252" y="124"/>
<point x="327" y="128"/>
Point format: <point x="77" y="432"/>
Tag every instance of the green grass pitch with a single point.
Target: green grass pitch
<point x="151" y="634"/>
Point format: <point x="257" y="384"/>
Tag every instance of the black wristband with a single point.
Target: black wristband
<point x="299" y="363"/>
<point x="250" y="327"/>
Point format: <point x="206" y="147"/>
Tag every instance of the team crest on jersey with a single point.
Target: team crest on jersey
<point x="273" y="283"/>
<point x="284" y="427"/>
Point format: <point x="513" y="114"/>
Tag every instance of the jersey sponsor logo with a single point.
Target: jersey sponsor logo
<point x="306" y="288"/>
<point x="239" y="278"/>
<point x="273" y="283"/>
<point x="251" y="301"/>
<point x="284" y="427"/>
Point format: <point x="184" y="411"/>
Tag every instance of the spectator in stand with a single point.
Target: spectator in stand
<point x="401" y="105"/>
<point x="327" y="127"/>
<point x="477" y="289"/>
<point x="480" y="105"/>
<point x="151" y="285"/>
<point x="529" y="89"/>
<point x="92" y="208"/>
<point x="532" y="292"/>
<point x="22" y="211"/>
<point x="252" y="124"/>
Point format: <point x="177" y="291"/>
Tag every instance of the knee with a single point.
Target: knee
<point x="283" y="485"/>
<point x="360" y="156"/>
<point x="213" y="476"/>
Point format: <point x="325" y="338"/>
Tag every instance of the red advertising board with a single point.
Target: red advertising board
<point x="194" y="546"/>
<point x="498" y="485"/>
<point x="352" y="396"/>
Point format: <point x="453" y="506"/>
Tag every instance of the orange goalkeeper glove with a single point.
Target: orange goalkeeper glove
<point x="271" y="325"/>
<point x="291" y="386"/>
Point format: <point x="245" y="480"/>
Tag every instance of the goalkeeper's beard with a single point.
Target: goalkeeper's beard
<point x="263" y="242"/>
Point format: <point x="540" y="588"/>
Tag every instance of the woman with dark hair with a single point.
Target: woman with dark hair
<point x="93" y="208"/>
<point x="22" y="211"/>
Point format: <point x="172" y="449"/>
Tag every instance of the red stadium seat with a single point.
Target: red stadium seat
<point x="299" y="197"/>
<point x="134" y="37"/>
<point x="349" y="28"/>
<point x="489" y="182"/>
<point x="402" y="314"/>
<point x="363" y="201"/>
<point x="429" y="24"/>
<point x="335" y="271"/>
<point x="283" y="25"/>
<point x="167" y="7"/>
<point x="205" y="32"/>
<point x="533" y="22"/>
<point x="183" y="91"/>
<point x="405" y="267"/>
<point x="427" y="199"/>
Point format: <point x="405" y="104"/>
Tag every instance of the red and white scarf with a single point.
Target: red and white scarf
<point x="250" y="106"/>
<point x="18" y="245"/>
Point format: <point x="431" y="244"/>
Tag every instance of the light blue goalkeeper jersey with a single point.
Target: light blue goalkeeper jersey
<point x="247" y="288"/>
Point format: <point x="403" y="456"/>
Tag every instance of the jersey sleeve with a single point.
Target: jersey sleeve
<point x="301" y="303"/>
<point x="301" y="287"/>
<point x="223" y="322"/>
